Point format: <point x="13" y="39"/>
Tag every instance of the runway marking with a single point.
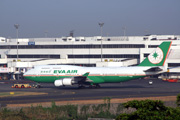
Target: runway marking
<point x="15" y="94"/>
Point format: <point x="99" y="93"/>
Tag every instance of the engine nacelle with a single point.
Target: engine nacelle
<point x="64" y="81"/>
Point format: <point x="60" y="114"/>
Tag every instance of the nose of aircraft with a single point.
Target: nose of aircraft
<point x="26" y="73"/>
<point x="29" y="72"/>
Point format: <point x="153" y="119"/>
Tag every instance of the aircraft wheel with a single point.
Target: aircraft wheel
<point x="98" y="86"/>
<point x="38" y="86"/>
<point x="81" y="87"/>
<point x="90" y="86"/>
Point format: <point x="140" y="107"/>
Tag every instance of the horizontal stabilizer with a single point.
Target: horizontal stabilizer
<point x="153" y="69"/>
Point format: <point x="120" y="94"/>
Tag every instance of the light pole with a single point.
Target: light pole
<point x="124" y="30"/>
<point x="101" y="25"/>
<point x="17" y="33"/>
<point x="46" y="34"/>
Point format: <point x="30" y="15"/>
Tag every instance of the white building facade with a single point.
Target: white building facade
<point x="18" y="55"/>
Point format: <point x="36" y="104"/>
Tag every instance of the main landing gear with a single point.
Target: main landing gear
<point x="90" y="86"/>
<point x="81" y="86"/>
<point x="94" y="86"/>
<point x="37" y="85"/>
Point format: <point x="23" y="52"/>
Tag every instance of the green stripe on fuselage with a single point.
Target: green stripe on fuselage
<point x="113" y="79"/>
<point x="95" y="79"/>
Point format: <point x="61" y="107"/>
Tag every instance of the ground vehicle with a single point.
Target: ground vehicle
<point x="21" y="86"/>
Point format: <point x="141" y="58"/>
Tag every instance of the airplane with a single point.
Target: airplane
<point x="67" y="75"/>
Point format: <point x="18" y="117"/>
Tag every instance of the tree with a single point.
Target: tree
<point x="178" y="100"/>
<point x="149" y="110"/>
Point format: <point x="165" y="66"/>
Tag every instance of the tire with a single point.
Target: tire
<point x="37" y="86"/>
<point x="22" y="86"/>
<point x="98" y="86"/>
<point x="90" y="86"/>
<point x="16" y="86"/>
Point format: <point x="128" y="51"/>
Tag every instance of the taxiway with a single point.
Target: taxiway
<point x="130" y="89"/>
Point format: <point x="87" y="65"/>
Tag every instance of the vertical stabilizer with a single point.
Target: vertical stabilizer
<point x="158" y="56"/>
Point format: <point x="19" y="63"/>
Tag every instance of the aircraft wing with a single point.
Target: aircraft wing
<point x="83" y="78"/>
<point x="73" y="80"/>
<point x="86" y="74"/>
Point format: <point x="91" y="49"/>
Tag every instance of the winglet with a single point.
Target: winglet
<point x="86" y="74"/>
<point x="158" y="56"/>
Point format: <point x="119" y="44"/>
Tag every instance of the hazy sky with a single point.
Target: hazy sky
<point x="59" y="17"/>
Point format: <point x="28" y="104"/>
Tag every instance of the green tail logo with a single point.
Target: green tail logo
<point x="158" y="56"/>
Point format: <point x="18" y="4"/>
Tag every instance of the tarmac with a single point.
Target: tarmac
<point x="126" y="90"/>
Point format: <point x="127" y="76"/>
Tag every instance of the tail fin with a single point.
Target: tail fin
<point x="158" y="56"/>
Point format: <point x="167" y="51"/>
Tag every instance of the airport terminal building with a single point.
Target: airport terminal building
<point x="19" y="55"/>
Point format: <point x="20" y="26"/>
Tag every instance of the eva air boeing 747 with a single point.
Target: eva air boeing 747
<point x="64" y="75"/>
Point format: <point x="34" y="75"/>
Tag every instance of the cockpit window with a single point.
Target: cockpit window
<point x="57" y="68"/>
<point x="45" y="68"/>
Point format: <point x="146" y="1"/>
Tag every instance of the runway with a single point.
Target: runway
<point x="130" y="89"/>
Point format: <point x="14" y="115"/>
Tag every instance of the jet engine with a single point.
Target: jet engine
<point x="63" y="82"/>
